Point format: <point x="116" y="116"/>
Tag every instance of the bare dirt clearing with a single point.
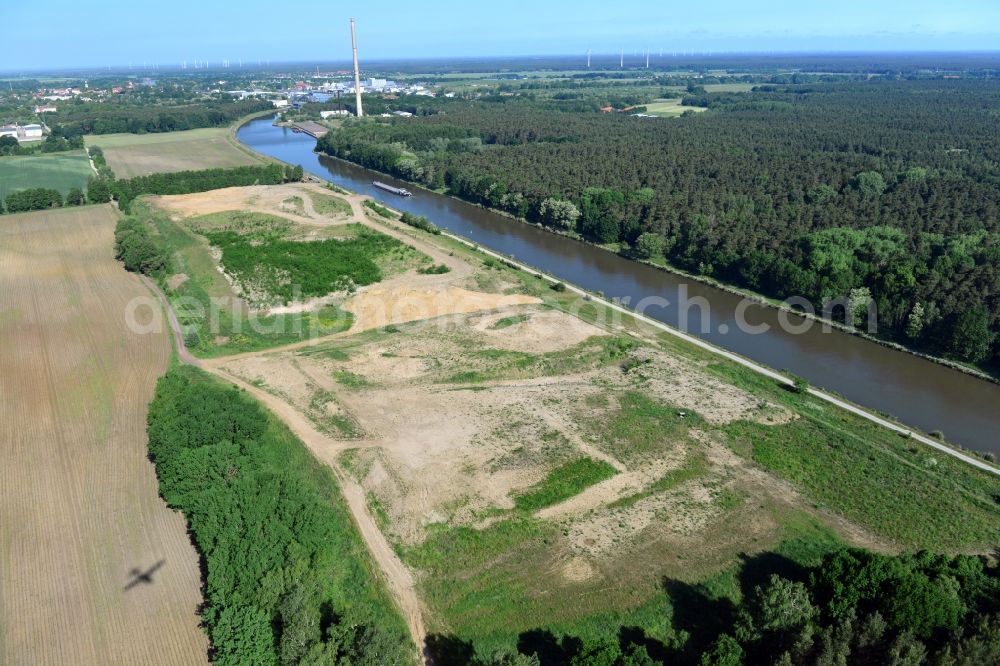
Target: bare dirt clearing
<point x="79" y="509"/>
<point x="452" y="421"/>
<point x="433" y="449"/>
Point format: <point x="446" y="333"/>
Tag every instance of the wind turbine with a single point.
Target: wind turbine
<point x="621" y="59"/>
<point x="588" y="58"/>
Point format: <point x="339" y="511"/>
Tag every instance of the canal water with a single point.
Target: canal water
<point x="916" y="391"/>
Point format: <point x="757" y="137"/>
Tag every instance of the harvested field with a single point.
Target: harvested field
<point x="80" y="516"/>
<point x="131" y="155"/>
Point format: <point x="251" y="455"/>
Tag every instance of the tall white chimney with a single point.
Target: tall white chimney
<point x="357" y="74"/>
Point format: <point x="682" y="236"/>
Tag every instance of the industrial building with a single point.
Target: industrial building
<point x="23" y="132"/>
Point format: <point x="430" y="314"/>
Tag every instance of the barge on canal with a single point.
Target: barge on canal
<point x="389" y="188"/>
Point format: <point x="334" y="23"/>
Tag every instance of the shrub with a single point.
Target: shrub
<point x="135" y="248"/>
<point x="436" y="269"/>
<point x="35" y="198"/>
<point x="420" y="222"/>
<point x="379" y="209"/>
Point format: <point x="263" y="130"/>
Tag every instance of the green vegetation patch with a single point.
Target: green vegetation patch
<point x="507" y="322"/>
<point x="287" y="578"/>
<point x="494" y="364"/>
<point x="214" y="322"/>
<point x="897" y="494"/>
<point x="642" y="428"/>
<point x="564" y="482"/>
<point x="350" y="380"/>
<point x="695" y="466"/>
<point x="57" y="171"/>
<point x="895" y="487"/>
<point x="434" y="269"/>
<point x="271" y="267"/>
<point x="379" y="209"/>
<point x="328" y="204"/>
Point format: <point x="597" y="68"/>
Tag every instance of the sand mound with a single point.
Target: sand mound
<point x="378" y="307"/>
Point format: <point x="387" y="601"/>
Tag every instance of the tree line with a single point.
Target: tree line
<point x="103" y="189"/>
<point x="286" y="577"/>
<point x="41" y="198"/>
<point x="793" y="190"/>
<point x="103" y="118"/>
<point x="53" y="143"/>
<point x="184" y="182"/>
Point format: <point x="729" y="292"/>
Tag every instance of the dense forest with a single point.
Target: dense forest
<point x="884" y="188"/>
<point x="286" y="578"/>
<point x="78" y="119"/>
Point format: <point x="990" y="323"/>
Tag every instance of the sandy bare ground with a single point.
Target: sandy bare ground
<point x="436" y="452"/>
<point x="269" y="199"/>
<point x="79" y="509"/>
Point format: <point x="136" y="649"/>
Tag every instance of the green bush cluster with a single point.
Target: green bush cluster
<point x="435" y="269"/>
<point x="135" y="248"/>
<point x="34" y="198"/>
<point x="275" y="267"/>
<point x="420" y="222"/>
<point x="379" y="209"/>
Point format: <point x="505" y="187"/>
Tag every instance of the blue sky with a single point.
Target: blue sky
<point x="72" y="33"/>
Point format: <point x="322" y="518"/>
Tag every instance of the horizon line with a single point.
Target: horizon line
<point x="255" y="63"/>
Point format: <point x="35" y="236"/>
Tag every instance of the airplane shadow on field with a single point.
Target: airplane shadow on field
<point x="140" y="577"/>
